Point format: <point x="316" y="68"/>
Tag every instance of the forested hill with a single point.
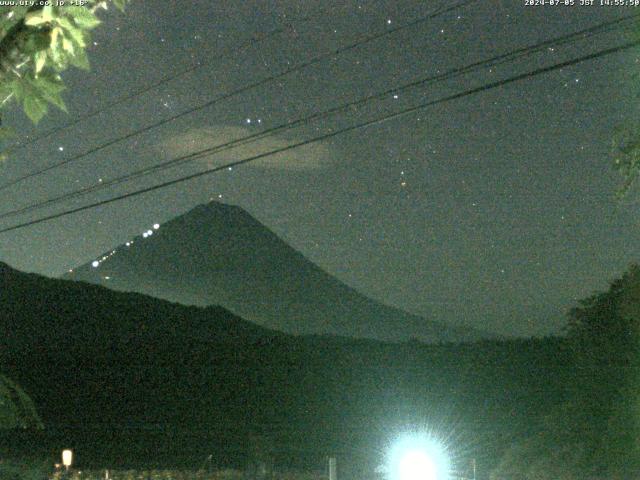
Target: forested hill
<point x="127" y="379"/>
<point x="89" y="356"/>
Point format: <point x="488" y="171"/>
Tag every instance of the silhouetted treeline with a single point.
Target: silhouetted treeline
<point x="595" y="432"/>
<point x="128" y="380"/>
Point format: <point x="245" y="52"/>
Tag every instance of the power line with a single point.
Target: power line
<point x="254" y="40"/>
<point x="238" y="91"/>
<point x="453" y="73"/>
<point x="358" y="126"/>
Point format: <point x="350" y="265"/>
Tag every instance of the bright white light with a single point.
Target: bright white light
<point x="95" y="264"/>
<point x="145" y="235"/>
<point x="149" y="232"/>
<point x="416" y="465"/>
<point x="67" y="457"/>
<point x="156" y="226"/>
<point x="418" y="457"/>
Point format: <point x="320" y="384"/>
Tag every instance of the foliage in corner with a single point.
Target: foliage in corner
<point x="595" y="433"/>
<point x="38" y="43"/>
<point x="16" y="408"/>
<point x="626" y="158"/>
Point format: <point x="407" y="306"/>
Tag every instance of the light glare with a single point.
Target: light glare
<point x="416" y="465"/>
<point x="418" y="457"/>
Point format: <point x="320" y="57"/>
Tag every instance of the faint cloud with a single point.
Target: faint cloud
<point x="309" y="157"/>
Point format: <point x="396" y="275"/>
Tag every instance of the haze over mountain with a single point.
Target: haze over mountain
<point x="218" y="254"/>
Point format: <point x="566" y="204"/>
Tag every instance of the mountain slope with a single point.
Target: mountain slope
<point x="218" y="254"/>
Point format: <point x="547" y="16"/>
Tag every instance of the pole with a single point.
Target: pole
<point x="333" y="470"/>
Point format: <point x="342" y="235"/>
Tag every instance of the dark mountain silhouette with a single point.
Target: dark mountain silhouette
<point x="126" y="379"/>
<point x="218" y="254"/>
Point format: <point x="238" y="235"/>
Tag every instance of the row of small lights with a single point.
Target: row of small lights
<point x="146" y="234"/>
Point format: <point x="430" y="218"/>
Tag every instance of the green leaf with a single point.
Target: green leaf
<point x="55" y="35"/>
<point x="83" y="17"/>
<point x="80" y="60"/>
<point x="57" y="54"/>
<point x="120" y="4"/>
<point x="34" y="19"/>
<point x="35" y="108"/>
<point x="18" y="89"/>
<point x="11" y="16"/>
<point x="39" y="17"/>
<point x="50" y="89"/>
<point x="6" y="89"/>
<point x="36" y="42"/>
<point x="67" y="45"/>
<point x="14" y="14"/>
<point x="40" y="59"/>
<point x="72" y="31"/>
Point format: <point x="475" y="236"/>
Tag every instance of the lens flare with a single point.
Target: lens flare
<point x="418" y="457"/>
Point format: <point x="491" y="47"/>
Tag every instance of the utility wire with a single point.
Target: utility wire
<point x="254" y="40"/>
<point x="341" y="131"/>
<point x="453" y="73"/>
<point x="239" y="91"/>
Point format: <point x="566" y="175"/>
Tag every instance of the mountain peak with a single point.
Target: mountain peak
<point x="218" y="254"/>
<point x="214" y="206"/>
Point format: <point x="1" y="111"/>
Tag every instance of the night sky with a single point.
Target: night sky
<point x="496" y="210"/>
